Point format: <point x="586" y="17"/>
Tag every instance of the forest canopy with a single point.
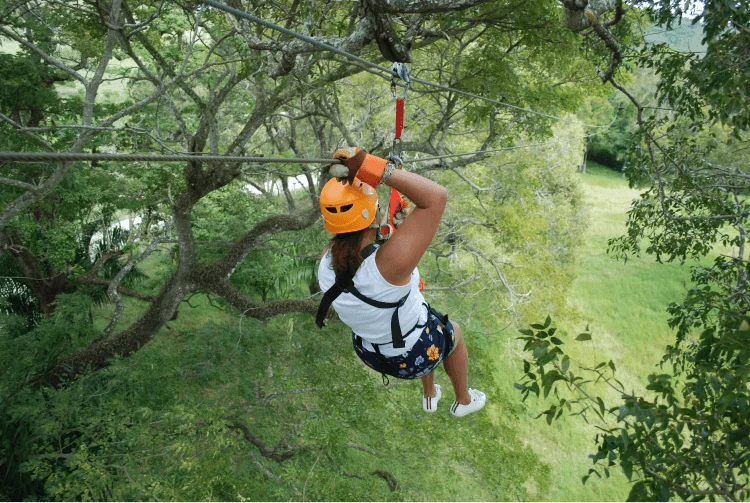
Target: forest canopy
<point x="101" y="259"/>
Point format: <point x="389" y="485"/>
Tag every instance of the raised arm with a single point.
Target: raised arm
<point x="398" y="257"/>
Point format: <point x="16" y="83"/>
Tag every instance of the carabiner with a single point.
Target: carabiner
<point x="401" y="71"/>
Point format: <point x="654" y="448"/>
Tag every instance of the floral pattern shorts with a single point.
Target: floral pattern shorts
<point x="435" y="343"/>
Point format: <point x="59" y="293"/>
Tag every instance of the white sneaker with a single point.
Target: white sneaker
<point x="430" y="404"/>
<point x="477" y="402"/>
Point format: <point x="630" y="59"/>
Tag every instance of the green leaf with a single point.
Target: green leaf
<point x="545" y="359"/>
<point x="584" y="337"/>
<point x="551" y="415"/>
<point x="565" y="364"/>
<point x="534" y="388"/>
<point x="627" y="469"/>
<point x="555" y="340"/>
<point x="638" y="492"/>
<point x="547" y="321"/>
<point x="601" y="404"/>
<point x="540" y="349"/>
<point x="549" y="379"/>
<point x="537" y="326"/>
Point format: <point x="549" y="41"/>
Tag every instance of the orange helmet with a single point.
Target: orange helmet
<point x="348" y="208"/>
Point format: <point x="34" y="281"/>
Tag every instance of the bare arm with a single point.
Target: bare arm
<point x="398" y="257"/>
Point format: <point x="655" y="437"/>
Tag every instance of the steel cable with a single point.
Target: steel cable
<point x="69" y="156"/>
<point x="83" y="156"/>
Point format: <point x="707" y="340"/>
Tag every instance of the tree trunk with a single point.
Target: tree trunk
<point x="127" y="342"/>
<point x="46" y="289"/>
<point x="584" y="166"/>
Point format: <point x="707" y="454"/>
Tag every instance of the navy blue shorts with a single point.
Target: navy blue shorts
<point x="436" y="342"/>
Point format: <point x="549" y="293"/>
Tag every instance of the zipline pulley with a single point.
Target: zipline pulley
<point x="401" y="71"/>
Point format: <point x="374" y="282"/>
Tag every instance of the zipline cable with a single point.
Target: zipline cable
<point x="69" y="156"/>
<point x="502" y="149"/>
<point x="84" y="156"/>
<point x="352" y="57"/>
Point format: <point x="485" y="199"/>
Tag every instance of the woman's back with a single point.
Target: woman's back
<point x="378" y="296"/>
<point x="371" y="323"/>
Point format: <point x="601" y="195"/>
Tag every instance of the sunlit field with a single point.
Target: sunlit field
<point x="624" y="305"/>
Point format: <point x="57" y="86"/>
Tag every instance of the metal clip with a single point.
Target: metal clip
<point x="400" y="70"/>
<point x="394" y="157"/>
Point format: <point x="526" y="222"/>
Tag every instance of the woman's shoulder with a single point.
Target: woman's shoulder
<point x="326" y="252"/>
<point x="325" y="268"/>
<point x="370" y="272"/>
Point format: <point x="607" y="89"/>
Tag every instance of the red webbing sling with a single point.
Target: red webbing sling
<point x="397" y="202"/>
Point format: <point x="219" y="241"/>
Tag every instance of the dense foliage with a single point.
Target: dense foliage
<point x="688" y="438"/>
<point x="155" y="334"/>
<point x="135" y="364"/>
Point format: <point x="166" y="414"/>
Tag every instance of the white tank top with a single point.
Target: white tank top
<point x="371" y="323"/>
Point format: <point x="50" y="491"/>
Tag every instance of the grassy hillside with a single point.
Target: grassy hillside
<point x="289" y="378"/>
<point x="223" y="408"/>
<point x="685" y="37"/>
<point x="290" y="384"/>
<point x="625" y="306"/>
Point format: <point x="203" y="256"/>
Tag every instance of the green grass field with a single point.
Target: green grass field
<point x="624" y="305"/>
<point x="287" y="379"/>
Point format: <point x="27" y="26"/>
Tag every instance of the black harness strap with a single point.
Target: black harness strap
<point x="368" y="250"/>
<point x="398" y="337"/>
<point x="346" y="285"/>
<point x="341" y="286"/>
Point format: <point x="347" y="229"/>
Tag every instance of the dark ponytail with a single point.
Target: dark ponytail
<point x="345" y="253"/>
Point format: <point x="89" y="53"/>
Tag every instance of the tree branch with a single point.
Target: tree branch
<point x="46" y="57"/>
<point x="280" y="453"/>
<point x="260" y="310"/>
<point x="388" y="477"/>
<point x="259" y="234"/>
<point x="609" y="40"/>
<point x="94" y="271"/>
<point x="122" y="290"/>
<point x="21" y="129"/>
<point x="424" y="6"/>
<point x="115" y="284"/>
<point x="92" y="87"/>
<point x="31" y="197"/>
<point x="17" y="183"/>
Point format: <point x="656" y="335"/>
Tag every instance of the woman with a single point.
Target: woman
<point x="375" y="289"/>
